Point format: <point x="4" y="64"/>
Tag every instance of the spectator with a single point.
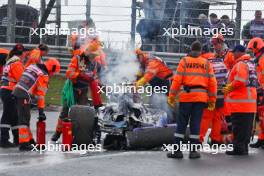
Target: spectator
<point x="229" y="26"/>
<point x="204" y="25"/>
<point x="215" y="23"/>
<point x="203" y="21"/>
<point x="254" y="28"/>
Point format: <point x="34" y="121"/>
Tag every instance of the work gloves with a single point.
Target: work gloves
<point x="228" y="88"/>
<point x="141" y="82"/>
<point x="42" y="116"/>
<point x="171" y="101"/>
<point x="139" y="75"/>
<point x="211" y="106"/>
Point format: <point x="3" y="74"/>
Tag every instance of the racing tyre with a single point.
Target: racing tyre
<point x="147" y="138"/>
<point x="83" y="124"/>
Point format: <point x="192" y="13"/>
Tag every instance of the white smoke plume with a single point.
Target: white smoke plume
<point x="122" y="68"/>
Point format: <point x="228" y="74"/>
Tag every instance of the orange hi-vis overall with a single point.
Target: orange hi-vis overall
<point x="215" y="117"/>
<point x="76" y="67"/>
<point x="242" y="100"/>
<point x="199" y="84"/>
<point x="12" y="72"/>
<point x="229" y="60"/>
<point x="34" y="81"/>
<point x="244" y="80"/>
<point x="156" y="67"/>
<point x="260" y="74"/>
<point x="198" y="75"/>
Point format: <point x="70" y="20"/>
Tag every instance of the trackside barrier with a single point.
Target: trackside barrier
<point x="64" y="56"/>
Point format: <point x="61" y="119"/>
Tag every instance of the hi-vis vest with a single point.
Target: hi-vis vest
<point x="220" y="72"/>
<point x="6" y="78"/>
<point x="29" y="78"/>
<point x="252" y="74"/>
<point x="257" y="29"/>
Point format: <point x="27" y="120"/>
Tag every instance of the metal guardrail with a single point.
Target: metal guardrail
<point x="59" y="52"/>
<point x="64" y="56"/>
<point x="171" y="59"/>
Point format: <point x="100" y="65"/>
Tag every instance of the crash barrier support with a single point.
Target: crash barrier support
<point x="62" y="52"/>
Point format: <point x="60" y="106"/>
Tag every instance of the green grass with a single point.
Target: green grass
<point x="53" y="96"/>
<point x="56" y="83"/>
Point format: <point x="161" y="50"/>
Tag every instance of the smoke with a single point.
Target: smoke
<point x="159" y="101"/>
<point x="122" y="67"/>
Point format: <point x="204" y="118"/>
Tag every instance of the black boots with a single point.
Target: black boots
<point x="26" y="147"/>
<point x="194" y="155"/>
<point x="176" y="154"/>
<point x="7" y="144"/>
<point x="236" y="153"/>
<point x="179" y="155"/>
<point x="55" y="136"/>
<point x="259" y="143"/>
<point x="15" y="136"/>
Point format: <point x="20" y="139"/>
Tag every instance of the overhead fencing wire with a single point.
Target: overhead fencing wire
<point x="186" y="20"/>
<point x="259" y="4"/>
<point x="165" y="18"/>
<point x="138" y="18"/>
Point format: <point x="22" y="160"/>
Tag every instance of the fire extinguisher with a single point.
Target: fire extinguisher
<point x="41" y="132"/>
<point x="67" y="134"/>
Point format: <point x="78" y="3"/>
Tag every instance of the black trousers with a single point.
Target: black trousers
<point x="190" y="112"/>
<point x="242" y="128"/>
<point x="23" y="108"/>
<point x="9" y="118"/>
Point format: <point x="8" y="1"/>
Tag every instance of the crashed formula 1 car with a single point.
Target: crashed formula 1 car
<point x="123" y="123"/>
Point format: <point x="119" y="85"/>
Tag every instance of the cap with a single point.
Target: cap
<point x="239" y="48"/>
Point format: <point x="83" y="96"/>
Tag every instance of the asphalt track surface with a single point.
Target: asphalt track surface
<point x="124" y="163"/>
